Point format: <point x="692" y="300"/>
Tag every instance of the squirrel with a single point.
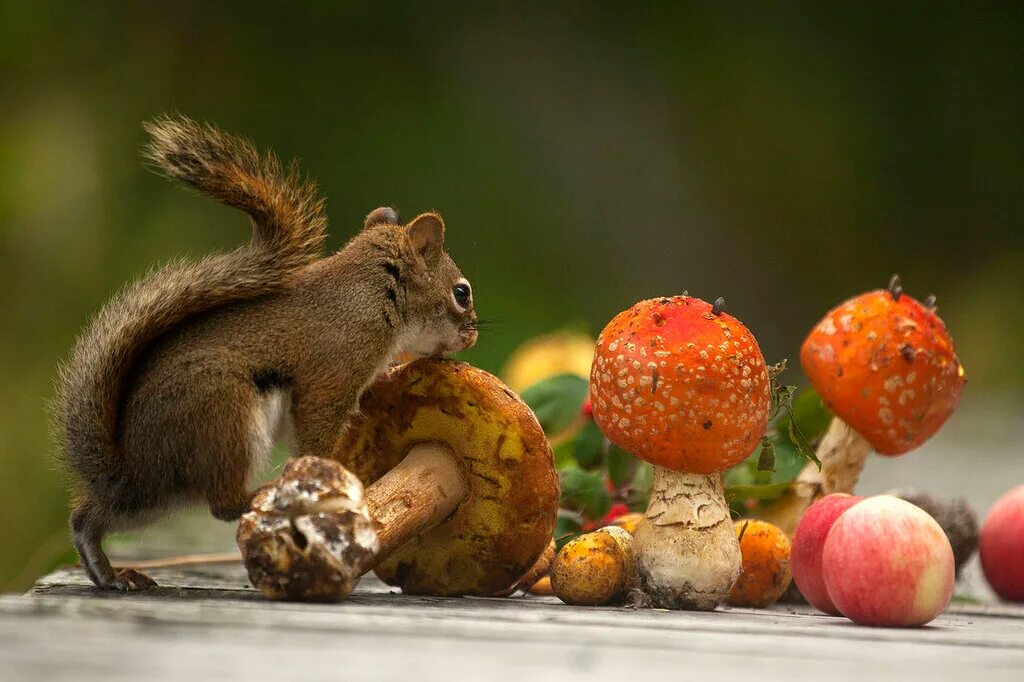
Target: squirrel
<point x="181" y="384"/>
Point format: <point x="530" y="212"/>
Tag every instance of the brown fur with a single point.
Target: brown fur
<point x="160" y="402"/>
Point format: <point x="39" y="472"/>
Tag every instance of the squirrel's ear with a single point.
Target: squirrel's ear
<point x="385" y="215"/>
<point x="425" y="239"/>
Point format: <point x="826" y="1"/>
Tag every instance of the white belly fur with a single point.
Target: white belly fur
<point x="272" y="417"/>
<point x="271" y="423"/>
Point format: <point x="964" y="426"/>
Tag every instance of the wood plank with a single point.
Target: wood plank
<point x="207" y="622"/>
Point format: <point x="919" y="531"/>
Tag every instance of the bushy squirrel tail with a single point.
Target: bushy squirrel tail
<point x="289" y="227"/>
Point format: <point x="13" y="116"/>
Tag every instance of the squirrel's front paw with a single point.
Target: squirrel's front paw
<point x="128" y="579"/>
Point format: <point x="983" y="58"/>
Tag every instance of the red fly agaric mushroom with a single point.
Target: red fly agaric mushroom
<point x="460" y="479"/>
<point x="885" y="365"/>
<point x="683" y="385"/>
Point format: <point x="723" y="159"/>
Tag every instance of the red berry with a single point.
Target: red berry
<point x="615" y="511"/>
<point x="587" y="411"/>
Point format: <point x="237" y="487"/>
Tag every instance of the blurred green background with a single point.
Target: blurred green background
<point x="584" y="157"/>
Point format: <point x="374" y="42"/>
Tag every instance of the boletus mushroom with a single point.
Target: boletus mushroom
<point x="680" y="383"/>
<point x="541" y="569"/>
<point x="461" y="480"/>
<point x="885" y="365"/>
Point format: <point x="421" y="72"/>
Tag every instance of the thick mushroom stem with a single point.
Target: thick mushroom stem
<point x="686" y="548"/>
<point x="422" y="491"/>
<point x="842" y="453"/>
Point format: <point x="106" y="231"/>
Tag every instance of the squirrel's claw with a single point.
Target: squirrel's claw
<point x="128" y="579"/>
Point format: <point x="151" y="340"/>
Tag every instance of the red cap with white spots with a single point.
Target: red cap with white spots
<point x="681" y="384"/>
<point x="885" y="364"/>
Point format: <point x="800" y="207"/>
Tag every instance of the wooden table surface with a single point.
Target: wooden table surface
<point x="207" y="623"/>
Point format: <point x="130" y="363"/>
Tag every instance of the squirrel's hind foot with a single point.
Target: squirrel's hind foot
<point x="129" y="580"/>
<point x="87" y="529"/>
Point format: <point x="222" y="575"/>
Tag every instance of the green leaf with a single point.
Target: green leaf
<point x="803" y="446"/>
<point x="782" y="413"/>
<point x="589" y="445"/>
<point x="788" y="462"/>
<point x="803" y="421"/>
<point x="640" y="489"/>
<point x="622" y="466"/>
<point x="564" y="453"/>
<point x="556" y="401"/>
<point x="584" y="492"/>
<point x="809" y="412"/>
<point x="747" y="471"/>
<point x="567" y="527"/>
<point x="762" y="492"/>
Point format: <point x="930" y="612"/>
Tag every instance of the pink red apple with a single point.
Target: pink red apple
<point x="1001" y="545"/>
<point x="887" y="562"/>
<point x="809" y="540"/>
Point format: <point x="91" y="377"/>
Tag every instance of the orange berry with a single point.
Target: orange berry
<point x="766" y="573"/>
<point x="629" y="522"/>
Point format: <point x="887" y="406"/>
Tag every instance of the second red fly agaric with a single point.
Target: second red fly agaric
<point x="679" y="383"/>
<point x="885" y="365"/>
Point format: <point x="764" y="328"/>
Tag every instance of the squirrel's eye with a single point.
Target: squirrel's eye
<point x="461" y="293"/>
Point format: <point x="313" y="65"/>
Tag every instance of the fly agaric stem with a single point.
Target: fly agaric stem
<point x="842" y="453"/>
<point x="687" y="553"/>
<point x="423" y="490"/>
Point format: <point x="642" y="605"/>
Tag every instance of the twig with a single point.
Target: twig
<point x="184" y="560"/>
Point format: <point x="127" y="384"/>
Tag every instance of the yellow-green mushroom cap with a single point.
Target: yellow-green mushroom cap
<point x="507" y="519"/>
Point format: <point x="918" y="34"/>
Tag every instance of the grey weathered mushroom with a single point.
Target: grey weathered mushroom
<point x="308" y="535"/>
